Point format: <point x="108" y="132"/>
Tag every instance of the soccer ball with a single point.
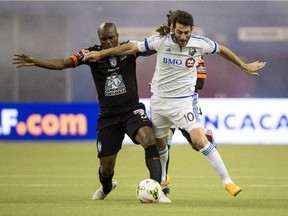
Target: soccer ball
<point x="148" y="191"/>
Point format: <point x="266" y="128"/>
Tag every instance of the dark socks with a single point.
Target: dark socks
<point x="106" y="182"/>
<point x="152" y="159"/>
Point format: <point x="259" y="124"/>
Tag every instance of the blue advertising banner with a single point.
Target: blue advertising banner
<point x="252" y="121"/>
<point x="48" y="121"/>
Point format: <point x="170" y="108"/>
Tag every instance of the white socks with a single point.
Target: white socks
<point x="214" y="158"/>
<point x="163" y="159"/>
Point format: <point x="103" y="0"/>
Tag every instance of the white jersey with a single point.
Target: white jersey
<point x="175" y="73"/>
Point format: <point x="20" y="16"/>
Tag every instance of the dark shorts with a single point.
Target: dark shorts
<point x="112" y="128"/>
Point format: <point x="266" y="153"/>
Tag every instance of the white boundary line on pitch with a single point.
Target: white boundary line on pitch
<point x="234" y="177"/>
<point x="45" y="176"/>
<point x="62" y="185"/>
<point x="32" y="185"/>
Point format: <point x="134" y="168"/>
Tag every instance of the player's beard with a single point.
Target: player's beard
<point x="181" y="42"/>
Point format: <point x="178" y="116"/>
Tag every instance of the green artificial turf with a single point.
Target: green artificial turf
<point x="58" y="179"/>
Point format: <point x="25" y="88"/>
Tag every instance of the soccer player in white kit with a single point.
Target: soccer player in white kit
<point x="174" y="101"/>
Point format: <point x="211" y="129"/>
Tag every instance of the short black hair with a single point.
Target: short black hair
<point x="107" y="25"/>
<point x="183" y="18"/>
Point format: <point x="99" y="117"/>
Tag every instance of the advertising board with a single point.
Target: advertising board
<point x="233" y="121"/>
<point x="48" y="121"/>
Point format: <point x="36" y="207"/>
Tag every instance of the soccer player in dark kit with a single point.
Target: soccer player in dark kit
<point x="120" y="110"/>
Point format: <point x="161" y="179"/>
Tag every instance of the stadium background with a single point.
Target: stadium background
<point x="59" y="178"/>
<point x="255" y="30"/>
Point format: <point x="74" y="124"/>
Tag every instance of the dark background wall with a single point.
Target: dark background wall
<point x="59" y="29"/>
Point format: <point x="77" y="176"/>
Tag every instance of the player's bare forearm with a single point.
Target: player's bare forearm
<point x="55" y="64"/>
<point x="23" y="60"/>
<point x="250" y="69"/>
<point x="124" y="49"/>
<point x="52" y="64"/>
<point x="230" y="56"/>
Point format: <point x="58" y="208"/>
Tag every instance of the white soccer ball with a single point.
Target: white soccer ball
<point x="148" y="191"/>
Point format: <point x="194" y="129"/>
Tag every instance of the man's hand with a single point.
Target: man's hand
<point x="22" y="60"/>
<point x="253" y="68"/>
<point x="92" y="56"/>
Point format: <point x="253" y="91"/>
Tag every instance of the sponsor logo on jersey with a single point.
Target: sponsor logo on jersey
<point x="192" y="51"/>
<point x="113" y="61"/>
<point x="114" y="85"/>
<point x="190" y="62"/>
<point x="172" y="61"/>
<point x="168" y="50"/>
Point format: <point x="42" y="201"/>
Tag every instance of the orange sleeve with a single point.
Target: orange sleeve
<point x="202" y="75"/>
<point x="75" y="60"/>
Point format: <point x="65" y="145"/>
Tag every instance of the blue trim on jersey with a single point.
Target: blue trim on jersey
<point x="178" y="97"/>
<point x="215" y="48"/>
<point x="202" y="38"/>
<point x="146" y="44"/>
<point x="195" y="107"/>
<point x="195" y="36"/>
<point x="193" y="95"/>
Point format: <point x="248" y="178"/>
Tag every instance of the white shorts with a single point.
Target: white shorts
<point x="184" y="113"/>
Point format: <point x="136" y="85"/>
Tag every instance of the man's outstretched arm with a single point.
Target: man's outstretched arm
<point x="250" y="68"/>
<point x="23" y="60"/>
<point x="124" y="49"/>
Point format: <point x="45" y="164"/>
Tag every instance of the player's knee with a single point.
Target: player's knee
<point x="146" y="140"/>
<point x="145" y="136"/>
